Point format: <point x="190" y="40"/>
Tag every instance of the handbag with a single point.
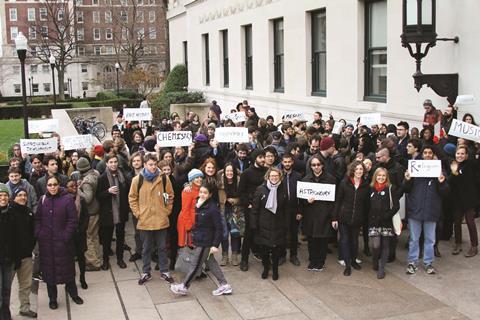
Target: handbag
<point x="396" y="219"/>
<point x="185" y="261"/>
<point x="237" y="223"/>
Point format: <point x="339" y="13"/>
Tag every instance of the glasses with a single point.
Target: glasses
<point x="315" y="165"/>
<point x="52" y="185"/>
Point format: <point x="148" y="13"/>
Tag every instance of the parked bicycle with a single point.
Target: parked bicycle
<point x="90" y="126"/>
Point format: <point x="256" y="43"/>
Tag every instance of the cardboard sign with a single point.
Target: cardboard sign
<point x="465" y="100"/>
<point x="290" y="116"/>
<point x="337" y="127"/>
<point x="174" y="138"/>
<point x="77" y="142"/>
<point x="464" y="130"/>
<point x="47" y="125"/>
<point x="37" y="146"/>
<point x="320" y="191"/>
<point x="370" y="119"/>
<point x="236" y="117"/>
<point x="231" y="134"/>
<point x="425" y="168"/>
<point x="137" y="114"/>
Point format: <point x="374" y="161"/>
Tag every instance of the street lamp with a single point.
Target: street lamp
<point x="117" y="67"/>
<point x="52" y="65"/>
<point x="70" y="87"/>
<point x="21" y="45"/>
<point x="419" y="27"/>
<point x="30" y="82"/>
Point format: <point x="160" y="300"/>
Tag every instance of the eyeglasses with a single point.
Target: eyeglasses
<point x="52" y="185"/>
<point x="315" y="165"/>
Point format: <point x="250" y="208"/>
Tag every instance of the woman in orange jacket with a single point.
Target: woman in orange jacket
<point x="186" y="218"/>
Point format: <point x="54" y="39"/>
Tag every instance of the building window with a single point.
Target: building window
<point x="185" y="53"/>
<point x="35" y="87"/>
<point x="151" y="16"/>
<point x="13" y="14"/>
<point x="109" y="50"/>
<point x="140" y="16"/>
<point x="96" y="34"/>
<point x="152" y="33"/>
<point x="13" y="33"/>
<point x="96" y="17"/>
<point x="33" y="51"/>
<point x="97" y="50"/>
<point x="17" y="88"/>
<point x="60" y="14"/>
<point x="319" y="53"/>
<point x="95" y="2"/>
<point x="248" y="57"/>
<point x="31" y="14"/>
<point x="108" y="16"/>
<point x="207" y="58"/>
<point x="33" y="68"/>
<point x="84" y="68"/>
<point x="80" y="34"/>
<point x="124" y="16"/>
<point x="84" y="86"/>
<point x="43" y="14"/>
<point x="79" y="2"/>
<point x="32" y="32"/>
<point x="140" y="2"/>
<point x="108" y="34"/>
<point x="278" y="57"/>
<point x="226" y="78"/>
<point x="141" y="33"/>
<point x="46" y="87"/>
<point x="376" y="51"/>
<point x="124" y="33"/>
<point x="80" y="16"/>
<point x="44" y="31"/>
<point x="81" y="51"/>
<point x="45" y="68"/>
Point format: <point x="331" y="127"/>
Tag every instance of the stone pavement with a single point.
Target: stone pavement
<point x="453" y="293"/>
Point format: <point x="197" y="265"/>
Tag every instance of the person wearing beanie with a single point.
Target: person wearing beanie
<point x="327" y="150"/>
<point x="98" y="154"/>
<point x="16" y="182"/>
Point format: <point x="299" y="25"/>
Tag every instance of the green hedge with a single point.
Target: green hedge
<point x="177" y="79"/>
<point x="115" y="103"/>
<point x="106" y="95"/>
<point x="161" y="103"/>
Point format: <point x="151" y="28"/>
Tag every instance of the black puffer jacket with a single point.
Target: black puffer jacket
<point x="381" y="210"/>
<point x="270" y="228"/>
<point x="464" y="186"/>
<point x="208" y="230"/>
<point x="249" y="182"/>
<point x="351" y="204"/>
<point x="24" y="229"/>
<point x="424" y="198"/>
<point x="9" y="250"/>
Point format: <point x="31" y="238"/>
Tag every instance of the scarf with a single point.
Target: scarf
<point x="379" y="186"/>
<point x="150" y="176"/>
<point x="271" y="204"/>
<point x="115" y="179"/>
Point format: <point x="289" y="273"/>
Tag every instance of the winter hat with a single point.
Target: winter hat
<point x="98" y="150"/>
<point x="18" y="190"/>
<point x="350" y="126"/>
<point x="149" y="144"/>
<point x="257" y="153"/>
<point x="83" y="165"/>
<point x="212" y="125"/>
<point x="4" y="188"/>
<point x="326" y="143"/>
<point x="194" y="173"/>
<point x="450" y="149"/>
<point x="201" y="138"/>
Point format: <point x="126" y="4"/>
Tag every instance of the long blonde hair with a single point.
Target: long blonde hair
<point x="375" y="174"/>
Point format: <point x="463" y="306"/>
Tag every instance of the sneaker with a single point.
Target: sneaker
<point x="28" y="314"/>
<point x="144" y="278"/>
<point x="341" y="262"/>
<point x="358" y="261"/>
<point x="135" y="257"/>
<point x="320" y="268"/>
<point x="429" y="269"/>
<point x="39" y="277"/>
<point x="179" y="289"/>
<point x="167" y="277"/>
<point x="257" y="257"/>
<point x="224" y="260"/>
<point x="223" y="289"/>
<point x="411" y="268"/>
<point x="235" y="261"/>
<point x="311" y="267"/>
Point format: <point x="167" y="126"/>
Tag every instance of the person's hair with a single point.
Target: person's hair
<point x="243" y="147"/>
<point x="319" y="113"/>
<point x="14" y="170"/>
<point x="71" y="179"/>
<point x="287" y="156"/>
<point x="210" y="186"/>
<point x="137" y="133"/>
<point x="431" y="147"/>
<point x="384" y="149"/>
<point x="15" y="159"/>
<point x="111" y="156"/>
<point x="270" y="117"/>
<point x="107" y="146"/>
<point x="415" y="143"/>
<point x="403" y="124"/>
<point x="235" y="174"/>
<point x="48" y="158"/>
<point x="273" y="169"/>
<point x="322" y="162"/>
<point x="292" y="146"/>
<point x="150" y="156"/>
<point x="164" y="163"/>
<point x="375" y="174"/>
<point x="164" y="152"/>
<point x="174" y="123"/>
<point x="116" y="129"/>
<point x="462" y="146"/>
<point x="352" y="166"/>
<point x="36" y="156"/>
<point x="136" y="154"/>
<point x="52" y="177"/>
<point x="272" y="150"/>
<point x="317" y="122"/>
<point x="469" y="115"/>
<point x="207" y="161"/>
<point x="315" y="137"/>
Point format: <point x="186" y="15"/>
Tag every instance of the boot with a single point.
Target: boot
<point x="83" y="283"/>
<point x="266" y="266"/>
<point x="105" y="264"/>
<point x="457" y="248"/>
<point x="436" y="251"/>
<point x="224" y="260"/>
<point x="275" y="271"/>
<point x="235" y="261"/>
<point x="473" y="251"/>
<point x="348" y="271"/>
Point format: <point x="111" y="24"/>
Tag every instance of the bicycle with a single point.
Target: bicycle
<point x="90" y="126"/>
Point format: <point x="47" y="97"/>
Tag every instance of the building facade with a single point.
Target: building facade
<point x="339" y="56"/>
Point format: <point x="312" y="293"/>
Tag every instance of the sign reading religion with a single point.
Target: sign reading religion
<point x="319" y="191"/>
<point x="425" y="168"/>
<point x="174" y="138"/>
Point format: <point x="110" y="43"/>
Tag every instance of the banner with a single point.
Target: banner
<point x="320" y="191"/>
<point x="231" y="134"/>
<point x="425" y="168"/>
<point x="337" y="127"/>
<point x="47" y="125"/>
<point x="290" y="116"/>
<point x="464" y="130"/>
<point x="137" y="114"/>
<point x="236" y="117"/>
<point x="77" y="142"/>
<point x="36" y="146"/>
<point x="369" y="119"/>
<point x="174" y="138"/>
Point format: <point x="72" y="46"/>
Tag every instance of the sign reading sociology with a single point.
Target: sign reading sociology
<point x="174" y="138"/>
<point x="231" y="134"/>
<point x="236" y="117"/>
<point x="77" y="142"/>
<point x="37" y="146"/>
<point x="320" y="191"/>
<point x="464" y="130"/>
<point x="290" y="116"/>
<point x="137" y="114"/>
<point x="425" y="168"/>
<point x="370" y="119"/>
<point x="47" y="125"/>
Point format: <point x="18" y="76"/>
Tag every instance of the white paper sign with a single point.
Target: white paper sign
<point x="174" y="138"/>
<point x="320" y="191"/>
<point x="47" y="125"/>
<point x="337" y="127"/>
<point x="137" y="114"/>
<point x="36" y="146"/>
<point x="77" y="142"/>
<point x="425" y="168"/>
<point x="369" y="119"/>
<point x="290" y="116"/>
<point x="465" y="100"/>
<point x="231" y="134"/>
<point x="464" y="130"/>
<point x="236" y="117"/>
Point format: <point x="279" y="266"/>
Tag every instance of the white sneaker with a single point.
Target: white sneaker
<point x="341" y="262"/>
<point x="358" y="261"/>
<point x="223" y="289"/>
<point x="179" y="289"/>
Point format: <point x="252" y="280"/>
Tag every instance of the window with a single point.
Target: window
<point x="80" y="34"/>
<point x="33" y="51"/>
<point x="31" y="14"/>
<point x="43" y="14"/>
<point x="139" y="16"/>
<point x="140" y="2"/>
<point x="376" y="51"/>
<point x="108" y="34"/>
<point x="151" y="2"/>
<point x="207" y="59"/>
<point x="44" y="31"/>
<point x="13" y="14"/>
<point x="46" y="87"/>
<point x="96" y="17"/>
<point x="79" y="2"/>
<point x="60" y="14"/>
<point x="152" y="33"/>
<point x="84" y="68"/>
<point x="248" y="57"/>
<point x="45" y="68"/>
<point x="319" y="53"/>
<point x="278" y="57"/>
<point x="109" y="50"/>
<point x="124" y="2"/>
<point x="96" y="34"/>
<point x="141" y="33"/>
<point x="33" y="68"/>
<point x="124" y="16"/>
<point x="108" y="2"/>
<point x="32" y="32"/>
<point x="65" y="86"/>
<point x="17" y="87"/>
<point x="108" y="16"/>
<point x="13" y="33"/>
<point x="185" y="53"/>
<point x="80" y="16"/>
<point x="226" y="79"/>
<point x="95" y="2"/>
<point x="97" y="50"/>
<point x="35" y="87"/>
<point x="124" y="33"/>
<point x="81" y="51"/>
<point x="151" y="16"/>
<point x="84" y="86"/>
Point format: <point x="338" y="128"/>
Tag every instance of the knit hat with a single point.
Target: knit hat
<point x="326" y="143"/>
<point x="83" y="165"/>
<point x="194" y="173"/>
<point x="350" y="126"/>
<point x="450" y="149"/>
<point x="201" y="138"/>
<point x="98" y="150"/>
<point x="18" y="190"/>
<point x="428" y="102"/>
<point x="257" y="153"/>
<point x="4" y="188"/>
<point x="212" y="125"/>
<point x="149" y="144"/>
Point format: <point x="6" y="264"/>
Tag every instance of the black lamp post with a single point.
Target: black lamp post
<point x="52" y="65"/>
<point x="419" y="27"/>
<point x="21" y="44"/>
<point x="117" y="67"/>
<point x="31" y="88"/>
<point x="70" y="87"/>
<point x="30" y="80"/>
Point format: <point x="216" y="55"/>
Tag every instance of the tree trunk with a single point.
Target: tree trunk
<point x="61" y="87"/>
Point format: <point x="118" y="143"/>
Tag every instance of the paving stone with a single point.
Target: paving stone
<point x="137" y="301"/>
<point x="181" y="310"/>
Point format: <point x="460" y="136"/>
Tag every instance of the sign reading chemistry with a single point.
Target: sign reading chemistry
<point x="174" y="138"/>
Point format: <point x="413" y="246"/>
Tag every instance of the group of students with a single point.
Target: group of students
<point x="241" y="197"/>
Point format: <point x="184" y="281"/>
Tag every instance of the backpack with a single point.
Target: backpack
<point x="164" y="182"/>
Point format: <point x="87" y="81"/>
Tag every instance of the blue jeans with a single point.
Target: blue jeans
<point x="415" y="227"/>
<point x="6" y="277"/>
<point x="150" y="238"/>
<point x="348" y="242"/>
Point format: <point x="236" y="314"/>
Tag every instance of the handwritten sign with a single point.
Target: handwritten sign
<point x="231" y="134"/>
<point x="464" y="130"/>
<point x="77" y="142"/>
<point x="320" y="191"/>
<point x="337" y="127"/>
<point x="236" y="117"/>
<point x="290" y="116"/>
<point x="47" y="125"/>
<point x="137" y="114"/>
<point x="174" y="138"/>
<point x="37" y="146"/>
<point x="425" y="168"/>
<point x="465" y="100"/>
<point x="369" y="119"/>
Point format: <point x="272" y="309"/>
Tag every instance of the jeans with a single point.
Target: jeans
<point x="6" y="277"/>
<point x="348" y="242"/>
<point x="202" y="255"/>
<point x="415" y="227"/>
<point x="24" y="277"/>
<point x="151" y="238"/>
<point x="71" y="287"/>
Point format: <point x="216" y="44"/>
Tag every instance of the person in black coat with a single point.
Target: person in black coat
<point x="269" y="220"/>
<point x="350" y="213"/>
<point x="112" y="193"/>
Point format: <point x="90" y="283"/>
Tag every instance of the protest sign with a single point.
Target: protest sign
<point x="236" y="117"/>
<point x="464" y="130"/>
<point x="369" y="119"/>
<point x="465" y="100"/>
<point x="36" y="146"/>
<point x="231" y="134"/>
<point x="77" y="142"/>
<point x="174" y="138"/>
<point x="337" y="127"/>
<point x="47" y="125"/>
<point x="320" y="191"/>
<point x="425" y="168"/>
<point x="137" y="114"/>
<point x="290" y="116"/>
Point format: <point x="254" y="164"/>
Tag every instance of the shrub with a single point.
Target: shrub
<point x="128" y="94"/>
<point x="106" y="95"/>
<point x="115" y="103"/>
<point x="177" y="79"/>
<point x="162" y="101"/>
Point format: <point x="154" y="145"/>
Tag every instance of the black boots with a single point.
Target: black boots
<point x="83" y="283"/>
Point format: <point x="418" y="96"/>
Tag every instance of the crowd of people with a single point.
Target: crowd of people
<point x="188" y="203"/>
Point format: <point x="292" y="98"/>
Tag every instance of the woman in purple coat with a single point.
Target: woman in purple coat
<point x="55" y="225"/>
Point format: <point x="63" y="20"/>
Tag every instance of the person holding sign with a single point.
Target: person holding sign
<point x="317" y="216"/>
